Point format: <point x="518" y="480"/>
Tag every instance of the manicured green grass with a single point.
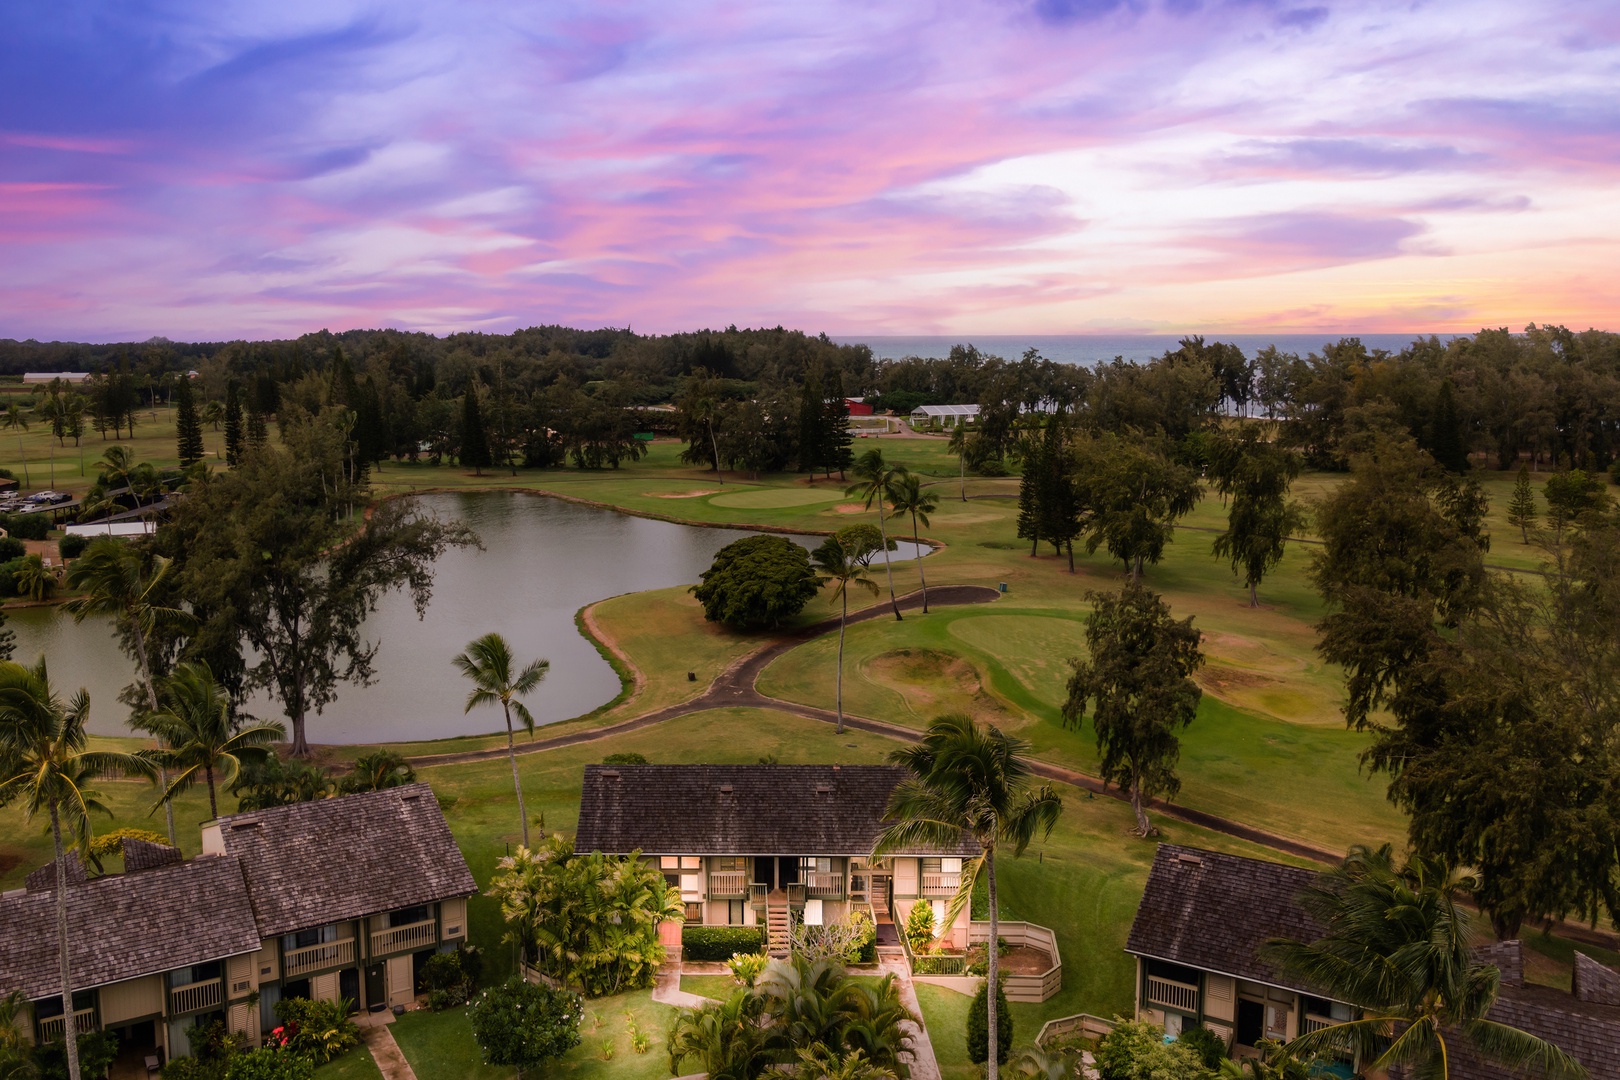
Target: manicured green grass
<point x="718" y="987"/>
<point x="357" y="1064"/>
<point x="944" y="1013"/>
<point x="440" y="1046"/>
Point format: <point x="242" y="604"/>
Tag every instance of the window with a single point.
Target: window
<point x="694" y="914"/>
<point x="691" y="862"/>
<point x="196" y="973"/>
<point x="721" y="863"/>
<point x="49" y="1007"/>
<point x="734" y="913"/>
<point x="407" y="916"/>
<point x="930" y="866"/>
<point x="303" y="939"/>
<point x="813" y="865"/>
<point x="669" y="862"/>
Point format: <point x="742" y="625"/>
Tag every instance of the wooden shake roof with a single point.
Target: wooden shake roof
<point x="319" y="862"/>
<point x="739" y="810"/>
<point x="123" y="926"/>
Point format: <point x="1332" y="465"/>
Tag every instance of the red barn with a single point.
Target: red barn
<point x="857" y="407"/>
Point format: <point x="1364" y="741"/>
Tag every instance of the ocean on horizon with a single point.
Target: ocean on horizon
<point x="1096" y="348"/>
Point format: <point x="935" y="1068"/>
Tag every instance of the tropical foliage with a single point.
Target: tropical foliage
<point x="1398" y="944"/>
<point x="588" y="921"/>
<point x="198" y="741"/>
<point x="801" y="1017"/>
<point x="488" y="664"/>
<point x="524" y="1024"/>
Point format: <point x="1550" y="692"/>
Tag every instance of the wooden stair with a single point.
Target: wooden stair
<point x="778" y="927"/>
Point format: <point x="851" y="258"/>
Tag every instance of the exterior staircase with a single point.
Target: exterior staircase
<point x="778" y="926"/>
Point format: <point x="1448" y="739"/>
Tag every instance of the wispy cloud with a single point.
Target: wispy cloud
<point x="230" y="168"/>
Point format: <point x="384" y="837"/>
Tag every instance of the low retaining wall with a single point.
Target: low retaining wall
<point x="1029" y="989"/>
<point x="1083" y="1024"/>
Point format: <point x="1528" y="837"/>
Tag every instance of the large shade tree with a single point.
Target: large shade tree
<point x="46" y="766"/>
<point x="489" y="665"/>
<point x="1139" y="674"/>
<point x="271" y="555"/>
<point x="1254" y="477"/>
<point x="1397" y="944"/>
<point x="965" y="777"/>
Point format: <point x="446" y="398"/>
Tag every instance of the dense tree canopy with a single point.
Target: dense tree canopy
<point x="757" y="582"/>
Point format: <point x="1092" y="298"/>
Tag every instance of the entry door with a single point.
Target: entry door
<point x="787" y="870"/>
<point x="376" y="989"/>
<point x="349" y="987"/>
<point x="765" y="871"/>
<point x="1251" y="1022"/>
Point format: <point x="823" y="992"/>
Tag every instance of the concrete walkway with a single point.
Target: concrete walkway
<point x="386" y="1053"/>
<point x="924" y="1066"/>
<point x="667" y="989"/>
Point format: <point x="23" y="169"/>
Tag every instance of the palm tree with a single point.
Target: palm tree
<point x="958" y="446"/>
<point x="488" y="663"/>
<point x="16" y="1059"/>
<point x="909" y="498"/>
<point x="874" y="479"/>
<point x="14" y="420"/>
<point x="964" y="777"/>
<point x="728" y="1038"/>
<point x="378" y="771"/>
<point x="116" y="463"/>
<point x="193" y="727"/>
<point x="1397" y="945"/>
<point x="34" y="580"/>
<point x="843" y="562"/>
<point x="47" y="768"/>
<point x="119" y="581"/>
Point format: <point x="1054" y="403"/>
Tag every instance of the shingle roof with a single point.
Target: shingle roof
<point x="739" y="809"/>
<point x="1587" y="1031"/>
<point x="1212" y="911"/>
<point x="127" y="925"/>
<point x="319" y="862"/>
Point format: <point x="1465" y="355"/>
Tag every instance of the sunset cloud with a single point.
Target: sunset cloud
<point x="236" y="169"/>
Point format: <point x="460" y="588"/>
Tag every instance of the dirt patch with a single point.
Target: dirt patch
<point x="849" y="508"/>
<point x="1217" y="677"/>
<point x="9" y="861"/>
<point x="1018" y="959"/>
<point x="694" y="494"/>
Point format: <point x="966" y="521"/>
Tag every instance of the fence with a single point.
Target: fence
<point x="1084" y="1025"/>
<point x="950" y="971"/>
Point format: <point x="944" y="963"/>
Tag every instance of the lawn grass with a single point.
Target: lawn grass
<point x="357" y="1064"/>
<point x="718" y="987"/>
<point x="441" y="1045"/>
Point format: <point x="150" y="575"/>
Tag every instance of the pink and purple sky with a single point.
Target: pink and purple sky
<point x="222" y="169"/>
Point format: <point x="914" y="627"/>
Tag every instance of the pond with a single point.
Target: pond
<point x="543" y="560"/>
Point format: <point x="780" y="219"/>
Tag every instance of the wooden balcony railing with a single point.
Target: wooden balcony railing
<point x="1313" y="1022"/>
<point x="823" y="886"/>
<point x="418" y="935"/>
<point x="195" y="997"/>
<point x="940" y="884"/>
<point x="55" y="1027"/>
<point x="724" y="884"/>
<point x="1171" y="994"/>
<point x="315" y="957"/>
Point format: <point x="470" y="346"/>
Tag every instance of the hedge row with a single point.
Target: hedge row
<point x="719" y="942"/>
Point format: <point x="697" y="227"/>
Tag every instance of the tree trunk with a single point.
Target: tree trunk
<point x="961" y="461"/>
<point x="842" y="619"/>
<point x="152" y="699"/>
<point x="1071" y="556"/>
<point x="716" y="448"/>
<point x="1254" y="597"/>
<point x="921" y="576"/>
<point x="70" y="1029"/>
<point x="992" y="965"/>
<point x="1506" y="924"/>
<point x="213" y="802"/>
<point x="300" y="745"/>
<point x="1144" y="827"/>
<point x="888" y="568"/>
<point x="517" y="785"/>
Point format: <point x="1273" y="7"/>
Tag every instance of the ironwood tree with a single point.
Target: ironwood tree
<point x="1255" y="476"/>
<point x="272" y="561"/>
<point x="187" y="425"/>
<point x="1138" y="680"/>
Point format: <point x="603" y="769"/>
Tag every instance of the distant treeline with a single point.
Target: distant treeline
<point x="767" y="399"/>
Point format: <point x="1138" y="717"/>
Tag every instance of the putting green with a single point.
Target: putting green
<point x="774" y="498"/>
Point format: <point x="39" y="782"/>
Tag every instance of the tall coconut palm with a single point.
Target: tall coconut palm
<point x="14" y="420"/>
<point x="843" y="557"/>
<point x="958" y="446"/>
<point x="193" y="727"/>
<point x="488" y="663"/>
<point x="909" y="497"/>
<point x="120" y="581"/>
<point x="1397" y="945"/>
<point x="874" y="480"/>
<point x="45" y="766"/>
<point x="972" y="778"/>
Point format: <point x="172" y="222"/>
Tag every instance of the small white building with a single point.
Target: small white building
<point x="947" y="416"/>
<point x="45" y="378"/>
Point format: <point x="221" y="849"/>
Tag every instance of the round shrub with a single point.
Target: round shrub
<point x="72" y="546"/>
<point x="1205" y="1043"/>
<point x="756" y="582"/>
<point x="269" y="1064"/>
<point x="11" y="548"/>
<point x="525" y="1025"/>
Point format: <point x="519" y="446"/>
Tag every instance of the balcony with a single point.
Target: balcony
<point x="823" y="886"/>
<point x="196" y="997"/>
<point x="728" y="884"/>
<point x="55" y="1027"/>
<point x="1183" y="997"/>
<point x="940" y="884"/>
<point x="327" y="954"/>
<point x="408" y="938"/>
<point x="1313" y="1022"/>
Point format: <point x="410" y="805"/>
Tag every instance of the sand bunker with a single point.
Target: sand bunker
<point x="698" y="493"/>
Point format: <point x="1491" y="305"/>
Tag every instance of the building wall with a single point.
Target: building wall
<point x="134" y="999"/>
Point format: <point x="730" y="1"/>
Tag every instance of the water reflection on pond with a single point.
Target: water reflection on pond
<point x="544" y="559"/>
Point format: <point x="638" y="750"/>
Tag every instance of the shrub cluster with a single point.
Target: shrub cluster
<point x="451" y="978"/>
<point x="978" y="1025"/>
<point x="720" y="942"/>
